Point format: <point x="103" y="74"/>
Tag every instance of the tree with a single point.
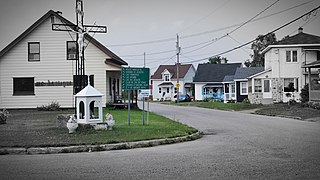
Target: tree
<point x="217" y="60"/>
<point x="257" y="46"/>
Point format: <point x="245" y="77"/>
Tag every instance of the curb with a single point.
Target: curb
<point x="101" y="147"/>
<point x="283" y="116"/>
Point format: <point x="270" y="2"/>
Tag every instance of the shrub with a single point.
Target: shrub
<point x="4" y="116"/>
<point x="305" y="93"/>
<point x="53" y="106"/>
<point x="246" y="100"/>
<point x="315" y="105"/>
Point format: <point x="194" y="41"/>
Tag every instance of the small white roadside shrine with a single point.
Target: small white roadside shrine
<point x="87" y="100"/>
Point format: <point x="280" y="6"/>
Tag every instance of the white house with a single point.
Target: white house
<point x="38" y="66"/>
<point x="164" y="81"/>
<point x="208" y="80"/>
<point x="236" y="86"/>
<point x="283" y="76"/>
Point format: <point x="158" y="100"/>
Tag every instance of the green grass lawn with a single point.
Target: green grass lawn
<point x="157" y="127"/>
<point x="218" y="105"/>
<point x="39" y="129"/>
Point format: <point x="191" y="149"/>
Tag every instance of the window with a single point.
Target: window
<point x="257" y="85"/>
<point x="266" y="85"/>
<point x="168" y="90"/>
<point x="290" y="85"/>
<point x="233" y="90"/>
<point x="33" y="51"/>
<point x="291" y="56"/>
<point x="72" y="50"/>
<point x="159" y="90"/>
<point x="23" y="86"/>
<point x="243" y="88"/>
<point x="175" y="90"/>
<point x="318" y="55"/>
<point x="166" y="77"/>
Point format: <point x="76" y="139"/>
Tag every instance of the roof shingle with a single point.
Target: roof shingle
<point x="214" y="72"/>
<point x="183" y="69"/>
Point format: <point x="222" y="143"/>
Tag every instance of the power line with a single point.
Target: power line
<point x="205" y="32"/>
<point x="217" y="39"/>
<point x="230" y="50"/>
<point x="201" y="19"/>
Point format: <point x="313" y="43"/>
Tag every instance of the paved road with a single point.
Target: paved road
<point x="236" y="146"/>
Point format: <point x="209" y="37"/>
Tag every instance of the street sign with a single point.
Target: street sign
<point x="135" y="78"/>
<point x="177" y="85"/>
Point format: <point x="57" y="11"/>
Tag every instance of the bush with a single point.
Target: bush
<point x="315" y="105"/>
<point x="305" y="94"/>
<point x="4" y="116"/>
<point x="54" y="106"/>
<point x="246" y="100"/>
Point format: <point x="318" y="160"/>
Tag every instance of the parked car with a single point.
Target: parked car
<point x="182" y="98"/>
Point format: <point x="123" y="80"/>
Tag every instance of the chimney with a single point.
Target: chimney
<point x="300" y="30"/>
<point x="59" y="12"/>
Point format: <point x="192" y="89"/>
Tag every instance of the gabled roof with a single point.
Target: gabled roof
<point x="260" y="73"/>
<point x="214" y="72"/>
<point x="114" y="58"/>
<point x="245" y="72"/>
<point x="183" y="69"/>
<point x="89" y="91"/>
<point x="228" y="78"/>
<point x="299" y="40"/>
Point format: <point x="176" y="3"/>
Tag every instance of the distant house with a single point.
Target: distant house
<point x="208" y="80"/>
<point x="164" y="81"/>
<point x="289" y="65"/>
<point x="37" y="67"/>
<point x="236" y="86"/>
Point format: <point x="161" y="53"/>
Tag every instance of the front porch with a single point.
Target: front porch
<point x="212" y="91"/>
<point x="314" y="80"/>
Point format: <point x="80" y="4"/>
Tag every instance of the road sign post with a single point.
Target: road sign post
<point x="134" y="79"/>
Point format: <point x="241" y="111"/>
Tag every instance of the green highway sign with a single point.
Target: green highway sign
<point x="135" y="78"/>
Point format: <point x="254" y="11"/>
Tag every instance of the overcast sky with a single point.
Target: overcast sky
<point x="132" y="22"/>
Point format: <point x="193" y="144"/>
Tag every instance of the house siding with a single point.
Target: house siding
<point x="276" y="60"/>
<point x="198" y="91"/>
<point x="240" y="97"/>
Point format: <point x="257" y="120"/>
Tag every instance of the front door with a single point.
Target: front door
<point x="266" y="89"/>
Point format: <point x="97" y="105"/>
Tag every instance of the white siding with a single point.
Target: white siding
<point x="198" y="91"/>
<point x="95" y="64"/>
<point x="53" y="66"/>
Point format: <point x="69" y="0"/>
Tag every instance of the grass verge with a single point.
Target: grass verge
<point x="38" y="129"/>
<point x="218" y="105"/>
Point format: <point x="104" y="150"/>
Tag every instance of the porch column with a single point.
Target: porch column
<point x="309" y="77"/>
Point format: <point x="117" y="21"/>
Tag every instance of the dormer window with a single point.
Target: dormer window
<point x="166" y="77"/>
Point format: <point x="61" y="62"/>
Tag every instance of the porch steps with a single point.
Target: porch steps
<point x="267" y="101"/>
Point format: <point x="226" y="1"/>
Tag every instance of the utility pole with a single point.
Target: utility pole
<point x="178" y="64"/>
<point x="144" y="65"/>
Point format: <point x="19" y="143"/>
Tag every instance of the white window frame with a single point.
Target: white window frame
<point x="257" y="87"/>
<point x="290" y="59"/>
<point x="33" y="51"/>
<point x="243" y="85"/>
<point x="166" y="77"/>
